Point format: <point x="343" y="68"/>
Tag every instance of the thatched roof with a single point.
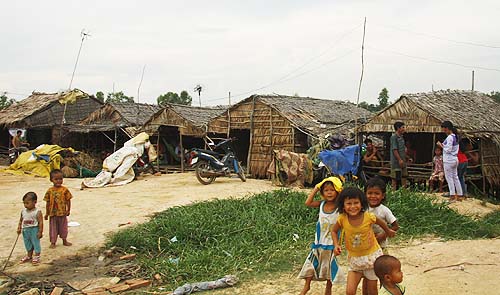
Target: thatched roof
<point x="46" y="109"/>
<point x="190" y="120"/>
<point x="198" y="116"/>
<point x="316" y="116"/>
<point x="121" y="114"/>
<point x="471" y="111"/>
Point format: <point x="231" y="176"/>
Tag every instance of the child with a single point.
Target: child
<point x="388" y="270"/>
<point x="361" y="244"/>
<point x="31" y="225"/>
<point x="438" y="173"/>
<point x="375" y="193"/>
<point x="58" y="207"/>
<point x="321" y="264"/>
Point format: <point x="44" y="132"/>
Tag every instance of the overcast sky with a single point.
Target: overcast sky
<point x="310" y="48"/>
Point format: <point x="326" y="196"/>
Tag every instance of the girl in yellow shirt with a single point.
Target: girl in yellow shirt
<point x="360" y="242"/>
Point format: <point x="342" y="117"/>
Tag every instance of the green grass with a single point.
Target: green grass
<point x="254" y="235"/>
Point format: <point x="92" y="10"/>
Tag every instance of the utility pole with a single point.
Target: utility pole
<point x="472" y="80"/>
<point x="360" y="81"/>
<point x="84" y="36"/>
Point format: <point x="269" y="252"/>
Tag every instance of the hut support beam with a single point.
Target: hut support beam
<point x="110" y="139"/>
<point x="249" y="164"/>
<point x="481" y="152"/>
<point x="182" y="151"/>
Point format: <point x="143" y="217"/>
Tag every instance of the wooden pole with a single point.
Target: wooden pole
<point x="229" y="116"/>
<point x="114" y="143"/>
<point x="472" y="80"/>
<point x="481" y="153"/>
<point x="271" y="133"/>
<point x="360" y="81"/>
<point x="182" y="151"/>
<point x="158" y="150"/>
<point x="249" y="158"/>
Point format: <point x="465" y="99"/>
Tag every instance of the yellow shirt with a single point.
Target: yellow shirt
<point x="57" y="198"/>
<point x="359" y="240"/>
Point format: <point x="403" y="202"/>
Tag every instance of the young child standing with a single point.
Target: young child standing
<point x="375" y="193"/>
<point x="438" y="172"/>
<point x="58" y="199"/>
<point x="31" y="225"/>
<point x="360" y="242"/>
<point x="320" y="264"/>
<point x="388" y="270"/>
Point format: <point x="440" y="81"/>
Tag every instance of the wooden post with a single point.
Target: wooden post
<point x="481" y="153"/>
<point x="229" y="116"/>
<point x="114" y="143"/>
<point x="249" y="158"/>
<point x="271" y="129"/>
<point x="182" y="150"/>
<point x="158" y="150"/>
<point x="293" y="138"/>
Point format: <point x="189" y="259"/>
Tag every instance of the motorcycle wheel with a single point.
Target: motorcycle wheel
<point x="203" y="165"/>
<point x="241" y="173"/>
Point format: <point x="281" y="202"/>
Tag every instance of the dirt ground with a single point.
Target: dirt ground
<point x="462" y="267"/>
<point x="100" y="211"/>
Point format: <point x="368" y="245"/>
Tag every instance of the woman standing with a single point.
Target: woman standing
<point x="450" y="160"/>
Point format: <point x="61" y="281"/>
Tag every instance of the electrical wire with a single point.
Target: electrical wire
<point x="434" y="60"/>
<point x="285" y="78"/>
<point x="439" y="38"/>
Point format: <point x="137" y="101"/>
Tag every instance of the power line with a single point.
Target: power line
<point x="440" y="38"/>
<point x="309" y="61"/>
<point x="435" y="60"/>
<point x="291" y="78"/>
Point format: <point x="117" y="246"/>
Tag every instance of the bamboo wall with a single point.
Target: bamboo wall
<point x="268" y="130"/>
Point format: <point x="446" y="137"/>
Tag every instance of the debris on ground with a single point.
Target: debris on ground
<point x="227" y="281"/>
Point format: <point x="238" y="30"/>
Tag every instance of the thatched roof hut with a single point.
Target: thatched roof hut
<point x="47" y="109"/>
<point x="180" y="125"/>
<point x="43" y="114"/>
<point x="114" y="122"/>
<point x="264" y="123"/>
<point x="475" y="114"/>
<point x="190" y="121"/>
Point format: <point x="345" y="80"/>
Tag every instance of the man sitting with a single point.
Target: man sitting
<point x="19" y="144"/>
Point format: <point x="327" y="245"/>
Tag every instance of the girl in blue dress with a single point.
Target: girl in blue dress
<point x="321" y="264"/>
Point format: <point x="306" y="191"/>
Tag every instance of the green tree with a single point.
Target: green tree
<point x="172" y="97"/>
<point x="383" y="99"/>
<point x="495" y="95"/>
<point x="5" y="101"/>
<point x="370" y="107"/>
<point x="99" y="95"/>
<point x="119" y="97"/>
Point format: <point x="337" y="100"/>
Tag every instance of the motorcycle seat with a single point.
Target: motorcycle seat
<point x="208" y="152"/>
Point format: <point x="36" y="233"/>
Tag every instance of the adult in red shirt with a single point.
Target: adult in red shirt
<point x="462" y="166"/>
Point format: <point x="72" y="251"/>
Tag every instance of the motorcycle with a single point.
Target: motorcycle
<point x="210" y="164"/>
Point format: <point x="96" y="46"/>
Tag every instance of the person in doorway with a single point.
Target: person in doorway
<point x="450" y="160"/>
<point x="399" y="172"/>
<point x="372" y="157"/>
<point x="19" y="144"/>
<point x="463" y="162"/>
<point x="437" y="175"/>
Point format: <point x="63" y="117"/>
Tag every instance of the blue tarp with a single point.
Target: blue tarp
<point x="342" y="161"/>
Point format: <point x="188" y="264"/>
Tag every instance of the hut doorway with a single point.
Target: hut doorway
<point x="36" y="137"/>
<point x="242" y="144"/>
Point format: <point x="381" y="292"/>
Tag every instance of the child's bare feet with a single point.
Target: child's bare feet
<point x="52" y="246"/>
<point x="66" y="243"/>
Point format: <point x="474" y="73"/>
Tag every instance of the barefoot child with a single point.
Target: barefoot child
<point x="388" y="270"/>
<point x="31" y="225"/>
<point x="375" y="193"/>
<point x="58" y="207"/>
<point x="321" y="265"/>
<point x="438" y="172"/>
<point x="360" y="242"/>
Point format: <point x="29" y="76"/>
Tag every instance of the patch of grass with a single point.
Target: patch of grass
<point x="254" y="235"/>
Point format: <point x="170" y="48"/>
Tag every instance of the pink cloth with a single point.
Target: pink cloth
<point x="58" y="227"/>
<point x="438" y="164"/>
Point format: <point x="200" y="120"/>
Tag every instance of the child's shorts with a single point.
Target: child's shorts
<point x="437" y="176"/>
<point x="31" y="241"/>
<point x="364" y="264"/>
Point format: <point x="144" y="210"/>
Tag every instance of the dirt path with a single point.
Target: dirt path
<point x="481" y="278"/>
<point x="99" y="211"/>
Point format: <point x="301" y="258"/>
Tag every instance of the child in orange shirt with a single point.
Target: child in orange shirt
<point x="58" y="207"/>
